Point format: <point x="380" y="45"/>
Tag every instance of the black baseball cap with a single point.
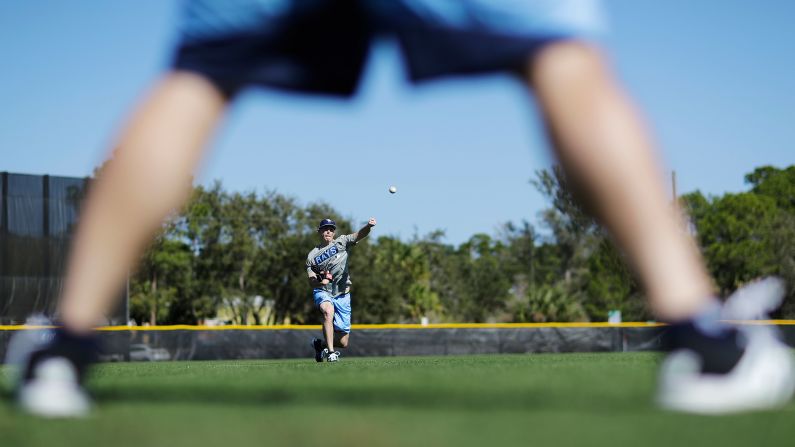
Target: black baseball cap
<point x="327" y="223"/>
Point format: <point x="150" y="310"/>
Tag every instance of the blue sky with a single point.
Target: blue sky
<point x="715" y="78"/>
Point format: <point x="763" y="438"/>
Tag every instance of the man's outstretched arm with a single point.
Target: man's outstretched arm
<point x="365" y="230"/>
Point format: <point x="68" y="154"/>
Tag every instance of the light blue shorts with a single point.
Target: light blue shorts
<point x="342" y="308"/>
<point x="320" y="46"/>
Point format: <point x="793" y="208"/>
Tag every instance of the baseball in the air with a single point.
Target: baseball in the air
<point x="393" y="189"/>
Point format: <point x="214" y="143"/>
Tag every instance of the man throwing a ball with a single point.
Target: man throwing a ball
<point x="327" y="267"/>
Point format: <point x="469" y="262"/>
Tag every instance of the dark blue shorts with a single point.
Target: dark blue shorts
<point x="321" y="46"/>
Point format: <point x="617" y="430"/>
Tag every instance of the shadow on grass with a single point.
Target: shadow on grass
<point x="6" y="394"/>
<point x="474" y="400"/>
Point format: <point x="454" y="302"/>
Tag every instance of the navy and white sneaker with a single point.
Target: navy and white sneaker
<point x="49" y="368"/>
<point x="317" y="345"/>
<point x="333" y="356"/>
<point x="715" y="368"/>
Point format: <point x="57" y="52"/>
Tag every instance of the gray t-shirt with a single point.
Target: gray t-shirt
<point x="335" y="259"/>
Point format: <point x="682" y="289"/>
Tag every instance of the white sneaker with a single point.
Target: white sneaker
<point x="333" y="356"/>
<point x="763" y="378"/>
<point x="46" y="370"/>
<point x="54" y="391"/>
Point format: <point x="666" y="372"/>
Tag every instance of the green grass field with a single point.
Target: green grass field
<point x="540" y="400"/>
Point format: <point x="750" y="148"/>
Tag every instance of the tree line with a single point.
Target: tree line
<point x="239" y="257"/>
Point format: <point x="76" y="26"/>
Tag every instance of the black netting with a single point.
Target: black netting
<point x="271" y="344"/>
<point x="25" y="205"/>
<point x="274" y="344"/>
<point x="65" y="196"/>
<point x="39" y="215"/>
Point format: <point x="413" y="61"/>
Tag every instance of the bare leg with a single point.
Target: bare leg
<point x="328" y="323"/>
<point x="149" y="176"/>
<point x="604" y="148"/>
<point x="341" y="339"/>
